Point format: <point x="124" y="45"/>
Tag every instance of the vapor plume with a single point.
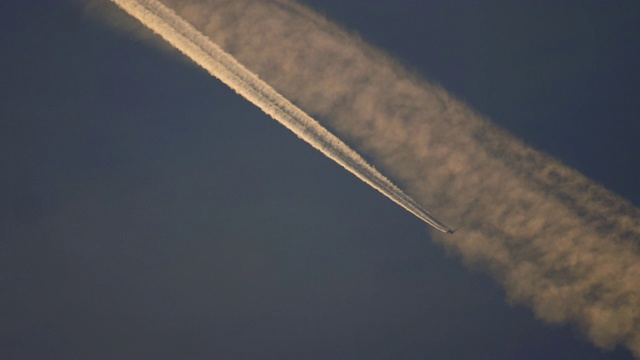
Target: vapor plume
<point x="557" y="241"/>
<point x="201" y="50"/>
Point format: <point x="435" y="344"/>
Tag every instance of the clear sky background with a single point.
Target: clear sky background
<point x="147" y="211"/>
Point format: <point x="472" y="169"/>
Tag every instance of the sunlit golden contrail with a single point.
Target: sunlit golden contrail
<point x="220" y="64"/>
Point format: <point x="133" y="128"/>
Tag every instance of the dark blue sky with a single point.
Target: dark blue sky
<point x="147" y="211"/>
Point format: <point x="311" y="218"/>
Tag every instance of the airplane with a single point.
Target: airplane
<point x="450" y="231"/>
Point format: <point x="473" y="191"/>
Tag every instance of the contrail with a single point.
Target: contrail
<point x="557" y="241"/>
<point x="220" y="64"/>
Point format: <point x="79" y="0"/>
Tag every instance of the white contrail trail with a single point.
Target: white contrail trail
<point x="220" y="64"/>
<point x="558" y="242"/>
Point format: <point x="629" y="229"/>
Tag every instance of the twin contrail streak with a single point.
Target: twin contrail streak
<point x="220" y="64"/>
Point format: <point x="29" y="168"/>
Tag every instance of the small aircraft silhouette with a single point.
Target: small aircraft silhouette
<point x="450" y="231"/>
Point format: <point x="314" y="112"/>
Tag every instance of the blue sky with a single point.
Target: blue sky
<point x="147" y="211"/>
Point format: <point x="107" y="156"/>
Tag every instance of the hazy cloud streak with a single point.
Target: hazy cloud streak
<point x="557" y="241"/>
